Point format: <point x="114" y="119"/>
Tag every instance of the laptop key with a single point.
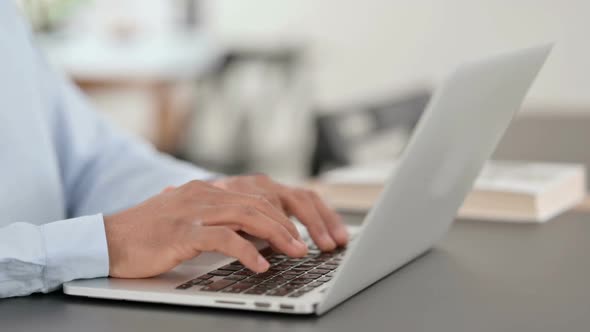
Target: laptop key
<point x="306" y="289"/>
<point x="218" y="285"/>
<point x="200" y="282"/>
<point x="308" y="263"/>
<point x="184" y="286"/>
<point x="321" y="271"/>
<point x="315" y="284"/>
<point x="196" y="282"/>
<point x="282" y="266"/>
<point x="295" y="260"/>
<point x="306" y="277"/>
<point x="312" y="275"/>
<point x="280" y="291"/>
<point x="284" y="277"/>
<point x="297" y="294"/>
<point x="204" y="277"/>
<point x="235" y="277"/>
<point x="232" y="290"/>
<point x="328" y="267"/>
<point x="288" y="263"/>
<point x="230" y="267"/>
<point x="278" y="280"/>
<point x="254" y="291"/>
<point x="236" y="288"/>
<point x="299" y="281"/>
<point x="221" y="273"/>
<point x="265" y="286"/>
<point x="302" y="269"/>
<point x="264" y="275"/>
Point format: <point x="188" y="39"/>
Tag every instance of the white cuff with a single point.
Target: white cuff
<point x="75" y="249"/>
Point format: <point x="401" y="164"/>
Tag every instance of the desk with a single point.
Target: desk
<point x="481" y="277"/>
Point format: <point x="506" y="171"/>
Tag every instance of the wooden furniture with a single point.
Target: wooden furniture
<point x="158" y="65"/>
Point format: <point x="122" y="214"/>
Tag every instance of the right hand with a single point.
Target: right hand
<point x="179" y="224"/>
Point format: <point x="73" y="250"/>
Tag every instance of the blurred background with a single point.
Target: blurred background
<point x="295" y="88"/>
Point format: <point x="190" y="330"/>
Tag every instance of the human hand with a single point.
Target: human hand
<point x="324" y="225"/>
<point x="179" y="224"/>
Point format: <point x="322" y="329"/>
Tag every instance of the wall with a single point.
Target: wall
<point x="364" y="48"/>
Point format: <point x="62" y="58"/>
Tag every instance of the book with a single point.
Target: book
<point x="511" y="191"/>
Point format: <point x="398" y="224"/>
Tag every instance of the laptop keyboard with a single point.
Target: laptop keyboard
<point x="292" y="277"/>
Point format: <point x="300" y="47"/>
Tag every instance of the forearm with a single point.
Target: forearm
<point x="41" y="258"/>
<point x="126" y="174"/>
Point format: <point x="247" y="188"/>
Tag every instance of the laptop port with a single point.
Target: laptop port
<point x="287" y="306"/>
<point x="229" y="302"/>
<point x="262" y="304"/>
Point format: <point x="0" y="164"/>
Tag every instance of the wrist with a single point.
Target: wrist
<point x="75" y="249"/>
<point x="111" y="234"/>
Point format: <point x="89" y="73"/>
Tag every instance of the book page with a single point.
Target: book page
<point x="506" y="176"/>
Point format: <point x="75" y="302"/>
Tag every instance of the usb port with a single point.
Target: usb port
<point x="262" y="304"/>
<point x="287" y="306"/>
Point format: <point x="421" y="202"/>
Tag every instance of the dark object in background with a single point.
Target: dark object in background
<point x="342" y="133"/>
<point x="191" y="14"/>
<point x="253" y="113"/>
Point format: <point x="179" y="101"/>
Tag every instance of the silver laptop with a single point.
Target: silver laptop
<point x="457" y="133"/>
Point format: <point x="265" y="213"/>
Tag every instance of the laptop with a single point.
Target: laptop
<point x="457" y="133"/>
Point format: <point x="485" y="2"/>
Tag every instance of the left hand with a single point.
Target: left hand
<point x="324" y="224"/>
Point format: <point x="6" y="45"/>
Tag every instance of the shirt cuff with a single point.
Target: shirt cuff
<point x="75" y="249"/>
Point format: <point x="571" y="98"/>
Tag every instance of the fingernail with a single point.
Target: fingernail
<point x="328" y="241"/>
<point x="299" y="244"/>
<point x="262" y="263"/>
<point x="342" y="233"/>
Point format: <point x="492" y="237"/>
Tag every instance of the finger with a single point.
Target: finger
<point x="275" y="200"/>
<point x="267" y="208"/>
<point x="299" y="204"/>
<point x="259" y="200"/>
<point x="331" y="219"/>
<point x="223" y="240"/>
<point x="252" y="221"/>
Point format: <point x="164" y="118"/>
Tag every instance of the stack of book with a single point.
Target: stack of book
<point x="504" y="191"/>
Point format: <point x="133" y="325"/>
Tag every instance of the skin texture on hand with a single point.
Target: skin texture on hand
<point x="324" y="225"/>
<point x="180" y="223"/>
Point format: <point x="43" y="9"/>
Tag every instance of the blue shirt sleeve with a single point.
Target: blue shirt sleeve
<point x="105" y="170"/>
<point x="102" y="171"/>
<point x="40" y="258"/>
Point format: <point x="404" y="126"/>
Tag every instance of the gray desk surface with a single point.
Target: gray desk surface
<point x="482" y="277"/>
